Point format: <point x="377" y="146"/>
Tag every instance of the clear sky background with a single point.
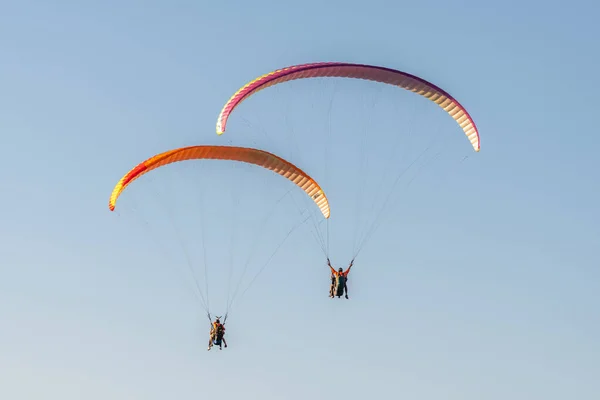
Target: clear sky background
<point x="481" y="283"/>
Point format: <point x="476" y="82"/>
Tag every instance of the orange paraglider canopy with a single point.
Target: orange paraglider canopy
<point x="247" y="155"/>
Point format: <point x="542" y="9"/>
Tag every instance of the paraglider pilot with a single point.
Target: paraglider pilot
<point x="217" y="333"/>
<point x="338" y="281"/>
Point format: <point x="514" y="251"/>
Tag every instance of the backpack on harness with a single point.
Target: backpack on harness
<point x="218" y="338"/>
<point x="340" y="283"/>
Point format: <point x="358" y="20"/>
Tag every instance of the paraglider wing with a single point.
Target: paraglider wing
<point x="358" y="71"/>
<point x="241" y="154"/>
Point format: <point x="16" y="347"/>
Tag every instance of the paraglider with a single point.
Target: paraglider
<point x="217" y="334"/>
<point x="339" y="281"/>
<point x="266" y="160"/>
<point x="374" y="73"/>
<point x="227" y="153"/>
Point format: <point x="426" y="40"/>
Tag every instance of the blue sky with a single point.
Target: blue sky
<point x="481" y="281"/>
